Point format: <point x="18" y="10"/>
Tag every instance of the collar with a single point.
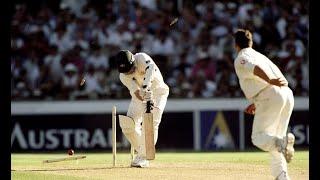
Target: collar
<point x="243" y="50"/>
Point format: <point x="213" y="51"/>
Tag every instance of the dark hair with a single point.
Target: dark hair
<point x="243" y="38"/>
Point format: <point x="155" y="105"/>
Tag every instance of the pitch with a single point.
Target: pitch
<point x="168" y="165"/>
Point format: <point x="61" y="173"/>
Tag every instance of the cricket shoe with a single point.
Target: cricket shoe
<point x="285" y="146"/>
<point x="140" y="162"/>
<point x="283" y="176"/>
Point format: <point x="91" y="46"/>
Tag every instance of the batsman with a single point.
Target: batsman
<point x="142" y="77"/>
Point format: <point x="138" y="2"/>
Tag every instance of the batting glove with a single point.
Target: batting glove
<point x="147" y="95"/>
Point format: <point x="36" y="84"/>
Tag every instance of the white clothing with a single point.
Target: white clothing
<point x="98" y="61"/>
<point x="33" y="73"/>
<point x="54" y="63"/>
<point x="244" y="64"/>
<point x="70" y="82"/>
<point x="92" y="84"/>
<point x="165" y="48"/>
<point x="140" y="161"/>
<point x="74" y="5"/>
<point x="273" y="105"/>
<point x="145" y="65"/>
<point x="136" y="111"/>
<point x="64" y="43"/>
<point x="150" y="4"/>
<point x="146" y="74"/>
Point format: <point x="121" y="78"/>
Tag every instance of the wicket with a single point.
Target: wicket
<point x="114" y="138"/>
<point x="114" y="134"/>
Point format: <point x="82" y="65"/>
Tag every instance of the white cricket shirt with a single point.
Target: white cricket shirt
<point x="244" y="65"/>
<point x="146" y="73"/>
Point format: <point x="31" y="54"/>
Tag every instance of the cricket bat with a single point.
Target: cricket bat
<point x="149" y="133"/>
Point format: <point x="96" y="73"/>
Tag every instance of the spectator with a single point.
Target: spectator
<point x="62" y="40"/>
<point x="183" y="67"/>
<point x="48" y="87"/>
<point x="180" y="86"/>
<point x="73" y="56"/>
<point x="31" y="65"/>
<point x="74" y="5"/>
<point x="92" y="88"/>
<point x="163" y="44"/>
<point x="46" y="39"/>
<point x="53" y="62"/>
<point x="204" y="67"/>
<point x="81" y="41"/>
<point x="197" y="87"/>
<point x="97" y="60"/>
<point x="70" y="81"/>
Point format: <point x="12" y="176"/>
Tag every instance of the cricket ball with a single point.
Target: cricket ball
<point x="71" y="152"/>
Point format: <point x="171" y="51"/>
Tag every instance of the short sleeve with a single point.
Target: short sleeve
<point x="143" y="60"/>
<point x="245" y="64"/>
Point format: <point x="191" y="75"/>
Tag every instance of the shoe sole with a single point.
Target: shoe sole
<point x="139" y="166"/>
<point x="136" y="166"/>
<point x="289" y="151"/>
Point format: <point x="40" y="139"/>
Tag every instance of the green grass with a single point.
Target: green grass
<point x="39" y="176"/>
<point x="301" y="157"/>
<point x="99" y="165"/>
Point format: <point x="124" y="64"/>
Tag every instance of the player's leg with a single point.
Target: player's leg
<point x="131" y="124"/>
<point x="159" y="104"/>
<point x="267" y="141"/>
<point x="285" y="113"/>
<point x="285" y="144"/>
<point x="268" y="104"/>
<point x="127" y="125"/>
<point x="157" y="114"/>
<point x="265" y="135"/>
<point x="136" y="111"/>
<point x="278" y="164"/>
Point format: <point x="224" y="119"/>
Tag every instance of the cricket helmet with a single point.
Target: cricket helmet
<point x="124" y="60"/>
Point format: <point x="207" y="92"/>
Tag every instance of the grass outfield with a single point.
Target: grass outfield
<point x="168" y="165"/>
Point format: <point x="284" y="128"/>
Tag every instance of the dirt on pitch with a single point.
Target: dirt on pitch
<point x="168" y="171"/>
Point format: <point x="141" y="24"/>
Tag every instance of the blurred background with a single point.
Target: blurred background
<point x="56" y="43"/>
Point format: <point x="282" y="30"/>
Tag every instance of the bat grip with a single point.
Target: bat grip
<point x="148" y="107"/>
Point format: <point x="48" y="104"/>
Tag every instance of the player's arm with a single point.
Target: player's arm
<point x="148" y="77"/>
<point x="146" y="64"/>
<point x="137" y="93"/>
<point x="149" y="67"/>
<point x="260" y="73"/>
<point x="131" y="85"/>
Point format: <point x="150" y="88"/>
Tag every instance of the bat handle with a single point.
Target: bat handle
<point x="148" y="107"/>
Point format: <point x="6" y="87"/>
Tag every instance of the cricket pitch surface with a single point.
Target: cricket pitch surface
<point x="166" y="166"/>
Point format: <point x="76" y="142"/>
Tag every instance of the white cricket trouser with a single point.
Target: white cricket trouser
<point x="136" y="111"/>
<point x="274" y="106"/>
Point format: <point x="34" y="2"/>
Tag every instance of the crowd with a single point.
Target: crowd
<point x="55" y="45"/>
